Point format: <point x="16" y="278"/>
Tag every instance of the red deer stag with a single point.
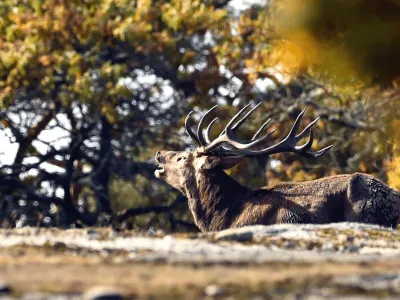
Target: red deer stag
<point x="218" y="202"/>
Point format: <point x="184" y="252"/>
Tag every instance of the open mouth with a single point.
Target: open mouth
<point x="160" y="170"/>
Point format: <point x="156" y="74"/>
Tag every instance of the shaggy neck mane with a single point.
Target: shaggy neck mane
<point x="215" y="199"/>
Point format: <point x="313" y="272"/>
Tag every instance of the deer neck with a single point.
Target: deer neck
<point x="214" y="199"/>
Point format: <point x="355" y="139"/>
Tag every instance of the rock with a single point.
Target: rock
<point x="328" y="247"/>
<point x="47" y="296"/>
<point x="350" y="238"/>
<point x="375" y="282"/>
<point x="34" y="296"/>
<point x="5" y="288"/>
<point x="91" y="232"/>
<point x="289" y="244"/>
<point x="343" y="238"/>
<point x="235" y="235"/>
<point x="261" y="244"/>
<point x="102" y="293"/>
<point x="214" y="291"/>
<point x="112" y="234"/>
<point x="151" y="231"/>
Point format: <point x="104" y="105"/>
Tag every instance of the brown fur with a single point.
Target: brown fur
<point x="218" y="202"/>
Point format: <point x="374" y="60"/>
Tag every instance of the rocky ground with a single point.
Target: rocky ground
<point x="344" y="260"/>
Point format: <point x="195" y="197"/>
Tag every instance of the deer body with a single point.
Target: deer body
<point x="218" y="202"/>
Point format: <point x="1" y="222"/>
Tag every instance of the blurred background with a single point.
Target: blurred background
<point x="90" y="90"/>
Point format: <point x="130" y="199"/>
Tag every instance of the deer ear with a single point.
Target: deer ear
<point x="223" y="162"/>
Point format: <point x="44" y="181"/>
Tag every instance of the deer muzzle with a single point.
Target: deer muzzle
<point x="160" y="169"/>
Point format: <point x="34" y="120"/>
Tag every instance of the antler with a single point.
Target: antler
<point x="228" y="136"/>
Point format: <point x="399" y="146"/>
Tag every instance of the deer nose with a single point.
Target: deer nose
<point x="158" y="155"/>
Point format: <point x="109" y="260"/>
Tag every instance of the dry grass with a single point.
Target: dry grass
<point x="52" y="270"/>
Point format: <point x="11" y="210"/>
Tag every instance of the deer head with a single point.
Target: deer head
<point x="182" y="168"/>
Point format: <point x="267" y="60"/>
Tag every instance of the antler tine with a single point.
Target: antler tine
<point x="322" y="151"/>
<point x="308" y="127"/>
<point x="223" y="137"/>
<point x="228" y="134"/>
<point x="303" y="150"/>
<point x="202" y="139"/>
<point x="246" y="116"/>
<point x="288" y="144"/>
<point x="308" y="144"/>
<point x="208" y="131"/>
<point x="235" y="117"/>
<point x="257" y="134"/>
<point x="190" y="132"/>
<point x="318" y="153"/>
<point x="296" y="124"/>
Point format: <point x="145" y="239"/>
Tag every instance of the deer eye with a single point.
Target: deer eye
<point x="180" y="158"/>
